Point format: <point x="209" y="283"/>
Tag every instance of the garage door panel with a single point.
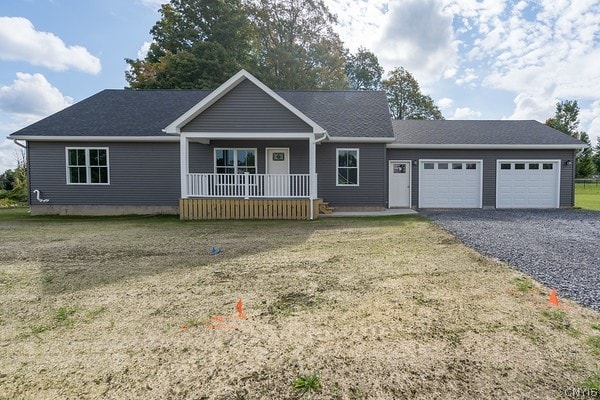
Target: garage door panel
<point x="536" y="186"/>
<point x="446" y="186"/>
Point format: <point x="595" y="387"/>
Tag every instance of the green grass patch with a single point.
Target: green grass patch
<point x="523" y="284"/>
<point x="63" y="314"/>
<point x="307" y="385"/>
<point x="594" y="341"/>
<point x="587" y="197"/>
<point x="593" y="384"/>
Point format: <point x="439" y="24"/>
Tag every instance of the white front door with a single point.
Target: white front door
<point x="277" y="181"/>
<point x="399" y="184"/>
<point x="278" y="161"/>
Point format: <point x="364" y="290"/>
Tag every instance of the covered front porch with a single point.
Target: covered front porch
<point x="253" y="176"/>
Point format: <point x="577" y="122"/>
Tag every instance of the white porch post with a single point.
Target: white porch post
<point x="184" y="147"/>
<point x="312" y="162"/>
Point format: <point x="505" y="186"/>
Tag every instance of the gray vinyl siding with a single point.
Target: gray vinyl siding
<point x="140" y="174"/>
<point x="202" y="156"/>
<point x="372" y="175"/>
<point x="489" y="158"/>
<point x="246" y="108"/>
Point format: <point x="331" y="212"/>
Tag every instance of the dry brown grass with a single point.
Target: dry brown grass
<point x="379" y="308"/>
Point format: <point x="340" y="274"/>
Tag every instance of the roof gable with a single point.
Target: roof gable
<point x="247" y="108"/>
<point x="205" y="104"/>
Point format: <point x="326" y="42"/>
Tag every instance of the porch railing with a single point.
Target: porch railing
<point x="249" y="185"/>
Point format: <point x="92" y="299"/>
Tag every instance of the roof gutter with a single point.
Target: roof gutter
<point x="489" y="146"/>
<point x="97" y="138"/>
<point x="343" y="139"/>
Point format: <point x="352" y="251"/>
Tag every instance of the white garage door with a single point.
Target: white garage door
<point x="450" y="184"/>
<point x="527" y="184"/>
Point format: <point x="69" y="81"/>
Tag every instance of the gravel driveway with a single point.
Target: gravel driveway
<point x="559" y="248"/>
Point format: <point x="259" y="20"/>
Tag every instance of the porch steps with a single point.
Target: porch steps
<point x="325" y="208"/>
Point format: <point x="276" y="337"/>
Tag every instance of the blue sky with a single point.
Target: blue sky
<point x="479" y="59"/>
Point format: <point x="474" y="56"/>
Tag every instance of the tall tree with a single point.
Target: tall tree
<point x="363" y="70"/>
<point x="196" y="44"/>
<point x="295" y="46"/>
<point x="597" y="156"/>
<point x="585" y="159"/>
<point x="405" y="97"/>
<point x="566" y="120"/>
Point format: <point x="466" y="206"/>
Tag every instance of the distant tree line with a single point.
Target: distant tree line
<point x="287" y="44"/>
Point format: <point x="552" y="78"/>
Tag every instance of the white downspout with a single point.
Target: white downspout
<point x="184" y="164"/>
<point x="39" y="199"/>
<point x="16" y="141"/>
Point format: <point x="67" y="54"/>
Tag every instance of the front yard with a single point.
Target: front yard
<point x="138" y="307"/>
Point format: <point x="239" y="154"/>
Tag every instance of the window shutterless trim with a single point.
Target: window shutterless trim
<point x="337" y="167"/>
<point x="87" y="166"/>
<point x="235" y="158"/>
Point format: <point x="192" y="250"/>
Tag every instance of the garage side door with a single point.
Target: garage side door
<point x="527" y="184"/>
<point x="450" y="184"/>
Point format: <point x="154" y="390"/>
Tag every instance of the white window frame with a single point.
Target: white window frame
<point x="337" y="167"/>
<point x="87" y="166"/>
<point x="235" y="158"/>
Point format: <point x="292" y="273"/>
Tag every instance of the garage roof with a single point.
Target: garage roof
<point x="479" y="134"/>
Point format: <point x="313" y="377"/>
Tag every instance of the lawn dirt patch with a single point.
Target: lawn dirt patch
<point x="372" y="308"/>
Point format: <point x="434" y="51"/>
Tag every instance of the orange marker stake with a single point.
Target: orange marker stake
<point x="553" y="298"/>
<point x="240" y="309"/>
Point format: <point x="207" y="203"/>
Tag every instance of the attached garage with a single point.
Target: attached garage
<point x="450" y="183"/>
<point x="528" y="184"/>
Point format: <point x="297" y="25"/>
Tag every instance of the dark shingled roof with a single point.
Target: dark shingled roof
<point x="345" y="113"/>
<point x="148" y="112"/>
<point x="417" y="132"/>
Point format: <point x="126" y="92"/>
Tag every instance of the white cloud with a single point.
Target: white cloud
<point x="415" y="34"/>
<point x="143" y="51"/>
<point x="28" y="99"/>
<point x="20" y="41"/>
<point x="532" y="106"/>
<point x="418" y="35"/>
<point x="445" y="103"/>
<point x="8" y="159"/>
<point x="466" y="113"/>
<point x="32" y="95"/>
<point x="468" y="77"/>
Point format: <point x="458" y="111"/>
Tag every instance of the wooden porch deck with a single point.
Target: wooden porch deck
<point x="207" y="208"/>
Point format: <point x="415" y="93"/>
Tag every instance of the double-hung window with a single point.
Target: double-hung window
<point x="235" y="161"/>
<point x="347" y="167"/>
<point x="87" y="166"/>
